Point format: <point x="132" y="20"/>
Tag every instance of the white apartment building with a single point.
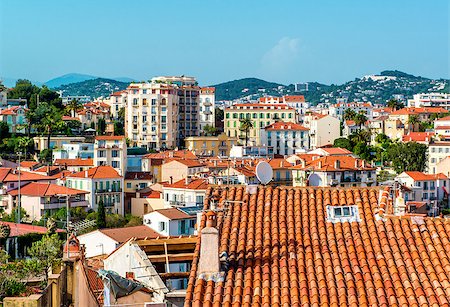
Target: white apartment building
<point x="338" y="109"/>
<point x="117" y="101"/>
<point x="442" y="128"/>
<point x="430" y="100"/>
<point x="185" y="192"/>
<point x="323" y="129"/>
<point x="437" y="151"/>
<point x="74" y="151"/>
<point x="207" y="107"/>
<point x="429" y="188"/>
<point x="101" y="182"/>
<point x="296" y="102"/>
<point x="112" y="151"/>
<point x="285" y="138"/>
<point x="170" y="222"/>
<point x="164" y="111"/>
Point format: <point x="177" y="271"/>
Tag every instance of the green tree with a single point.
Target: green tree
<point x="101" y="215"/>
<point x="410" y="156"/>
<point x="48" y="120"/>
<point x="349" y="114"/>
<point x="343" y="143"/>
<point x="121" y="115"/>
<point x="360" y="119"/>
<point x="118" y="128"/>
<point x="4" y="131"/>
<point x="46" y="253"/>
<point x="101" y="126"/>
<point x="73" y="106"/>
<point x="26" y="90"/>
<point x="382" y="138"/>
<point x="115" y="221"/>
<point x="246" y="126"/>
<point x="413" y="120"/>
<point x="5" y="231"/>
<point x="209" y="130"/>
<point x="218" y="114"/>
<point x="46" y="156"/>
<point x="395" y="104"/>
<point x="51" y="97"/>
<point x="12" y="217"/>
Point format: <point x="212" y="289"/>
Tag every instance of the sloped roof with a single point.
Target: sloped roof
<point x="182" y="154"/>
<point x="174" y="214"/>
<point x="282" y="251"/>
<point x="23" y="229"/>
<point x="45" y="189"/>
<point x="412" y="110"/>
<point x="99" y="172"/>
<point x="193" y="184"/>
<point x="74" y="162"/>
<point x="294" y="98"/>
<point x="25" y="176"/>
<point x="187" y="162"/>
<point x="279" y="163"/>
<point x="337" y="151"/>
<point x="328" y="164"/>
<point x="418" y="137"/>
<point x="446" y="118"/>
<point x="420" y="176"/>
<point x="110" y="138"/>
<point x="123" y="234"/>
<point x="28" y="164"/>
<point x="286" y="126"/>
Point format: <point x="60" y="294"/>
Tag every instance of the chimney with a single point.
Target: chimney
<point x="129" y="275"/>
<point x="215" y="162"/>
<point x="171" y="180"/>
<point x="209" y="247"/>
<point x="337" y="164"/>
<point x="187" y="180"/>
<point x="356" y="163"/>
<point x="170" y="154"/>
<point x="85" y="173"/>
<point x="303" y="162"/>
<point x="363" y="163"/>
<point x="319" y="165"/>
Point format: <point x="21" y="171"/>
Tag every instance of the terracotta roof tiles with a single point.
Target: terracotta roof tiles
<point x="193" y="184"/>
<point x="45" y="189"/>
<point x="98" y="172"/>
<point x="282" y="251"/>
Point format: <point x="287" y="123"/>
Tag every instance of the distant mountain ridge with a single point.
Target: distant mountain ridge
<point x="93" y="87"/>
<point x="362" y="89"/>
<point x="76" y="77"/>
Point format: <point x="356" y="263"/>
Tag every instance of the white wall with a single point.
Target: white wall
<point x="97" y="243"/>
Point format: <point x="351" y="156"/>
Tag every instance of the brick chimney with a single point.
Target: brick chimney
<point x="209" y="246"/>
<point x="129" y="275"/>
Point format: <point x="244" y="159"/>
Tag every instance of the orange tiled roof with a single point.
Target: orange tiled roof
<point x="23" y="229"/>
<point x="68" y="118"/>
<point x="110" y="138"/>
<point x="446" y="118"/>
<point x="28" y="164"/>
<point x="25" y="176"/>
<point x="418" y="137"/>
<point x="74" y="162"/>
<point x="282" y="251"/>
<point x="187" y="162"/>
<point x="123" y="234"/>
<point x="11" y="110"/>
<point x="285" y="126"/>
<point x="194" y="184"/>
<point x="45" y="189"/>
<point x="262" y="105"/>
<point x="327" y="164"/>
<point x="99" y="172"/>
<point x="412" y="110"/>
<point x="294" y="98"/>
<point x="183" y="154"/>
<point x="337" y="151"/>
<point x="420" y="176"/>
<point x="279" y="163"/>
<point x="174" y="214"/>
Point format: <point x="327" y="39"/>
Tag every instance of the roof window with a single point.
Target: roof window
<point x="340" y="214"/>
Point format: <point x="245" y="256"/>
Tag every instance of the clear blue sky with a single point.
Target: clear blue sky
<point x="285" y="41"/>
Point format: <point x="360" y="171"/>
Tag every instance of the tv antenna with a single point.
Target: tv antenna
<point x="264" y="172"/>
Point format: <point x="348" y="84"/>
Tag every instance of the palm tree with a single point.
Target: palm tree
<point x="246" y="125"/>
<point x="50" y="120"/>
<point x="349" y="114"/>
<point x="360" y="119"/>
<point x="73" y="106"/>
<point x="395" y="104"/>
<point x="413" y="120"/>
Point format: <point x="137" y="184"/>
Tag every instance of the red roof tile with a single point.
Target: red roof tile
<point x="174" y="214"/>
<point x="419" y="176"/>
<point x="125" y="233"/>
<point x="98" y="172"/>
<point x="334" y="151"/>
<point x="418" y="137"/>
<point x="45" y="189"/>
<point x="282" y="251"/>
<point x="74" y="162"/>
<point x="412" y="111"/>
<point x="294" y="98"/>
<point x="25" y="176"/>
<point x="182" y="154"/>
<point x="28" y="164"/>
<point x="23" y="229"/>
<point x="193" y="184"/>
<point x="110" y="138"/>
<point x="328" y="164"/>
<point x="187" y="162"/>
<point x="286" y="126"/>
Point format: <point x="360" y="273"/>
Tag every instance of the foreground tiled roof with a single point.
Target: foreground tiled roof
<point x="283" y="252"/>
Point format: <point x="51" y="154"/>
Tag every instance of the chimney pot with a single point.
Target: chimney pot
<point x="130" y="275"/>
<point x="319" y="165"/>
<point x="209" y="248"/>
<point x="337" y="164"/>
<point x="356" y="163"/>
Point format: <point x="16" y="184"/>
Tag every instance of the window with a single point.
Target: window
<point x="115" y="153"/>
<point x="339" y="214"/>
<point x="115" y="164"/>
<point x="162" y="226"/>
<point x="128" y="185"/>
<point x="425" y="196"/>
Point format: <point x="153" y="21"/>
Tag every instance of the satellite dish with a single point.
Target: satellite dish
<point x="264" y="172"/>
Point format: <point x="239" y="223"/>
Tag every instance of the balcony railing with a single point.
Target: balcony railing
<point x="116" y="190"/>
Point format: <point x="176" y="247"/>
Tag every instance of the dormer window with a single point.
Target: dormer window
<point x="341" y="214"/>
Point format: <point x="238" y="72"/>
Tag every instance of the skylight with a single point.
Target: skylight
<point x="340" y="214"/>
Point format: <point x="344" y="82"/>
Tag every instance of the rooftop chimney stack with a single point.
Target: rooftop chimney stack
<point x="356" y="163"/>
<point x="209" y="248"/>
<point x="319" y="165"/>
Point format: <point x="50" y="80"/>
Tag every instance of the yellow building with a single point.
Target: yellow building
<point x="261" y="114"/>
<point x="211" y="145"/>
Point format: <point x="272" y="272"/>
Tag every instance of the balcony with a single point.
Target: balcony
<point x="207" y="112"/>
<point x="62" y="203"/>
<point x="207" y="104"/>
<point x="103" y="191"/>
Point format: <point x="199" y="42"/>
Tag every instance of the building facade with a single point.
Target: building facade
<point x="430" y="100"/>
<point x="211" y="145"/>
<point x="285" y="138"/>
<point x="323" y="129"/>
<point x="261" y="115"/>
<point x="207" y="107"/>
<point x="112" y="151"/>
